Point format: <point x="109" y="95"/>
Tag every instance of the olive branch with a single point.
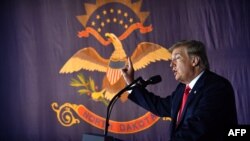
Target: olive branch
<point x="87" y="87"/>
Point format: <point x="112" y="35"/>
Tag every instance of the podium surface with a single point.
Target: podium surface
<point x="98" y="137"/>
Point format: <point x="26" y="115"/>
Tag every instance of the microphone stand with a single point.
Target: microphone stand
<point x="112" y="102"/>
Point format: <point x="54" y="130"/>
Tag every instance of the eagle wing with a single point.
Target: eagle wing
<point x="146" y="53"/>
<point x="86" y="58"/>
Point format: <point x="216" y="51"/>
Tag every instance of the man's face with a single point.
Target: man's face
<point x="181" y="65"/>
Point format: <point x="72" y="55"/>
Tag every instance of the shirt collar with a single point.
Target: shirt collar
<point x="192" y="83"/>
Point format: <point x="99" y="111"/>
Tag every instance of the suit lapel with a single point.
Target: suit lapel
<point x="196" y="89"/>
<point x="194" y="92"/>
<point x="178" y="99"/>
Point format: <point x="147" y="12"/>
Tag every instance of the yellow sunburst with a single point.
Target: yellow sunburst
<point x="90" y="8"/>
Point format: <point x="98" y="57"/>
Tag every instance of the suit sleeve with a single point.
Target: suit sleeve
<point x="153" y="103"/>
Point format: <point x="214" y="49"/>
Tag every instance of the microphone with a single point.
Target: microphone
<point x="152" y="80"/>
<point x="114" y="99"/>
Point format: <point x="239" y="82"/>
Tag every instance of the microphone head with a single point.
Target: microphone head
<point x="154" y="79"/>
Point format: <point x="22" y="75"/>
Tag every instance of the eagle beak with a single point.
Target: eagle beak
<point x="110" y="36"/>
<point x="107" y="35"/>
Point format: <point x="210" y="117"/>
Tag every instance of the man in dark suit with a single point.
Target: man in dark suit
<point x="202" y="106"/>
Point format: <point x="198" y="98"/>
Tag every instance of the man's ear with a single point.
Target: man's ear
<point x="195" y="61"/>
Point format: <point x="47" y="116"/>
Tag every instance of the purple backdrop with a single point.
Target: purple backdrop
<point x="39" y="36"/>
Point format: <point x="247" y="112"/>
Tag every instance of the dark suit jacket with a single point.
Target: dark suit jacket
<point x="209" y="110"/>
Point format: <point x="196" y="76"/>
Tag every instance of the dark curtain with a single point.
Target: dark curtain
<point x="39" y="36"/>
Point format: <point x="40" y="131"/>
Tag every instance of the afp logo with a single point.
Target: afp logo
<point x="239" y="133"/>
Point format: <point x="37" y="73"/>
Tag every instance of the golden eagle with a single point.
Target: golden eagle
<point x="89" y="59"/>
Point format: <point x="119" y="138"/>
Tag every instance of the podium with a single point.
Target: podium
<point x="97" y="137"/>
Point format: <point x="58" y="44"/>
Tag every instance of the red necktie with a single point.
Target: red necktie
<point x="184" y="100"/>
